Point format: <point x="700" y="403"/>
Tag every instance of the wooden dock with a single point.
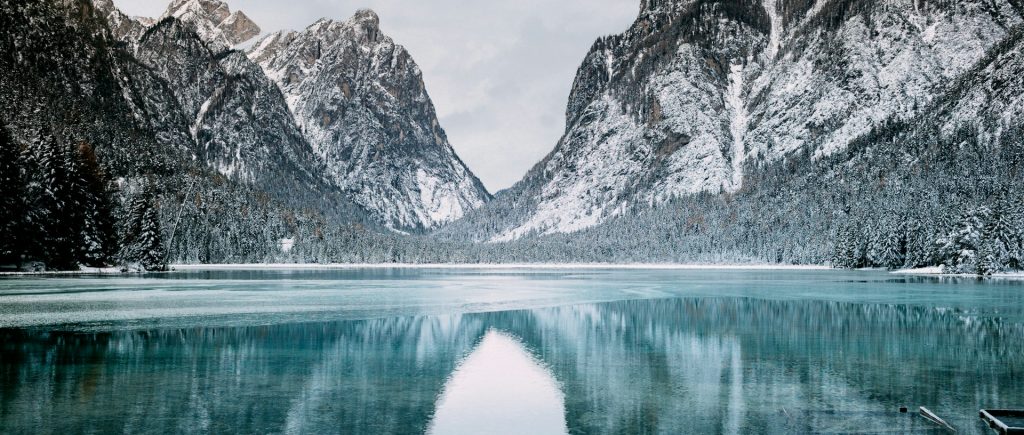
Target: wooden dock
<point x="1004" y="421"/>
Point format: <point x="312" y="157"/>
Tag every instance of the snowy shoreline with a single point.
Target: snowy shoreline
<point x="477" y="266"/>
<point x="82" y="271"/>
<point x="454" y="266"/>
<point x="937" y="271"/>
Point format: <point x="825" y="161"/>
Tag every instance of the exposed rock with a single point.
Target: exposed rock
<point x="122" y="27"/>
<point x="214" y="21"/>
<point x="361" y="102"/>
<point x="695" y="94"/>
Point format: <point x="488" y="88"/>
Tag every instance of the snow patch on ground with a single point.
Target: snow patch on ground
<point x="738" y="124"/>
<point x="940" y="271"/>
<point x="934" y="270"/>
<point x="775" y="39"/>
<point x="440" y="202"/>
<point x="819" y="5"/>
<point x="198" y="123"/>
<point x="82" y="270"/>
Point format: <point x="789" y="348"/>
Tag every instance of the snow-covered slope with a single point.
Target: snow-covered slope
<point x="362" y="104"/>
<point x="122" y="27"/>
<point x="214" y="21"/>
<point x="696" y="93"/>
<point x="339" y="104"/>
<point x="212" y="104"/>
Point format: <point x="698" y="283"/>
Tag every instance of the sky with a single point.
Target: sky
<point x="499" y="71"/>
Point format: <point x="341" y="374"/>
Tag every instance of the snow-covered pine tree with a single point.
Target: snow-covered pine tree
<point x="918" y="245"/>
<point x="887" y="245"/>
<point x="846" y="254"/>
<point x="98" y="238"/>
<point x="1016" y="218"/>
<point x="999" y="238"/>
<point x="12" y="207"/>
<point x="152" y="257"/>
<point x="142" y="238"/>
<point x="55" y="202"/>
<point x="959" y="249"/>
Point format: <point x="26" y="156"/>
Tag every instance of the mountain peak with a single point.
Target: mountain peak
<point x="214" y="21"/>
<point x="366" y="17"/>
<point x="360" y="100"/>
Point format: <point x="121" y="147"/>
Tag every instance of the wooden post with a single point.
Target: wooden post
<point x="931" y="416"/>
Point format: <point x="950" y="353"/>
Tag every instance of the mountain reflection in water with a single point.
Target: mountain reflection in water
<point x="689" y="365"/>
<point x="500" y="389"/>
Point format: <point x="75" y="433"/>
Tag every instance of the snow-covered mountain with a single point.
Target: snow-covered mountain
<point x="339" y="103"/>
<point x="210" y="102"/>
<point x="695" y="94"/>
<point x="214" y="21"/>
<point x="362" y="104"/>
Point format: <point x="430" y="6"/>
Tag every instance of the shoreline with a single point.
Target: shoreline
<point x="937" y="272"/>
<point x="108" y="271"/>
<point x="484" y="266"/>
<point x="934" y="271"/>
<point x="113" y="271"/>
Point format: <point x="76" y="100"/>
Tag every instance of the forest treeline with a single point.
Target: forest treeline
<point x="59" y="209"/>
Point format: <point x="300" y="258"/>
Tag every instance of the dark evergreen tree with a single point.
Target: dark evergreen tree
<point x="142" y="238"/>
<point x="98" y="239"/>
<point x="959" y="249"/>
<point x="55" y="201"/>
<point x="12" y="206"/>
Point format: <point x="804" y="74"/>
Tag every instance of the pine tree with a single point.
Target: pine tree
<point x="151" y="247"/>
<point x="887" y="245"/>
<point x="959" y="249"/>
<point x="1015" y="217"/>
<point x="917" y="246"/>
<point x="12" y="206"/>
<point x="142" y="238"/>
<point x="55" y="204"/>
<point x="846" y="253"/>
<point x="98" y="238"/>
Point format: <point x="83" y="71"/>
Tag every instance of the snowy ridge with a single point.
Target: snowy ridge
<point x="355" y="117"/>
<point x="214" y="21"/>
<point x="736" y="87"/>
<point x="216" y="107"/>
<point x="122" y="27"/>
<point x="360" y="100"/>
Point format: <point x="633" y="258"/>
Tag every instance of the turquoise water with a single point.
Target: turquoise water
<point x="513" y="351"/>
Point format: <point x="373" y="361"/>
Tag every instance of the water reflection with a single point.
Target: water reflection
<point x="690" y="365"/>
<point x="500" y="389"/>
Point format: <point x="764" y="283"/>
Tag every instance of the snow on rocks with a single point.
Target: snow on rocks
<point x="686" y="98"/>
<point x="360" y="101"/>
<point x="214" y="21"/>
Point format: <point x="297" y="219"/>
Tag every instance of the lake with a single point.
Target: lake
<point x="506" y="351"/>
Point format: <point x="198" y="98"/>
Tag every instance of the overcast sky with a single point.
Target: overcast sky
<point x="499" y="71"/>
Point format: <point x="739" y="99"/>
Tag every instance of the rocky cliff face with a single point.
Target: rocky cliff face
<point x="340" y="105"/>
<point x="234" y="117"/>
<point x="122" y="27"/>
<point x="214" y="21"/>
<point x="697" y="93"/>
<point x="361" y="102"/>
<point x="209" y="102"/>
